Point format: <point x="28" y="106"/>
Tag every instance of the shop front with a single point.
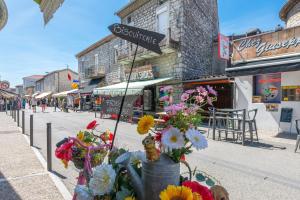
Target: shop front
<point x="266" y="69"/>
<point x="85" y="94"/>
<point x="140" y="98"/>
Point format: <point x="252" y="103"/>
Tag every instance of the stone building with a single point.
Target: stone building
<point x="29" y="84"/>
<point x="189" y="48"/>
<point x="56" y="81"/>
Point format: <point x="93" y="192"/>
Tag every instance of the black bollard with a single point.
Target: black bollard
<point x="31" y="130"/>
<point x="18" y="117"/>
<point x="23" y="121"/>
<point x="49" y="148"/>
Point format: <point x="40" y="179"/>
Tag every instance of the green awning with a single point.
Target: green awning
<point x="134" y="88"/>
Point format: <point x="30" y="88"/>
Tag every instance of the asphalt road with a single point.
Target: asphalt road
<point x="264" y="171"/>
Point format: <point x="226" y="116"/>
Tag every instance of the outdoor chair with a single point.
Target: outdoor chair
<point x="251" y="122"/>
<point x="298" y="135"/>
<point x="210" y="119"/>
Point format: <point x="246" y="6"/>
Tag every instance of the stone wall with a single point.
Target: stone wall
<point x="200" y="28"/>
<point x="64" y="83"/>
<point x="293" y="17"/>
<point x="106" y="58"/>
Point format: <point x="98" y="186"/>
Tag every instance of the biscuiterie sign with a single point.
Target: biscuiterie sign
<point x="267" y="45"/>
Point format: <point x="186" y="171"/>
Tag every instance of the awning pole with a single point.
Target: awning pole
<point x="123" y="98"/>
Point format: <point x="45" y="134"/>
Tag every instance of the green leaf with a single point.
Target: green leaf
<point x="210" y="182"/>
<point x="38" y="1"/>
<point x="200" y="177"/>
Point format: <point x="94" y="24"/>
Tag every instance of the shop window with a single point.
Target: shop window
<point x="162" y="17"/>
<point x="267" y="88"/>
<point x="290" y="93"/>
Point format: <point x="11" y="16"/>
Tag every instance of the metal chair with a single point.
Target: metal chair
<point x="251" y="121"/>
<point x="298" y="135"/>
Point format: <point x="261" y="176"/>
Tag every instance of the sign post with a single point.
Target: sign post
<point x="144" y="38"/>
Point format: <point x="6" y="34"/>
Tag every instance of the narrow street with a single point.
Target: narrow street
<point x="248" y="172"/>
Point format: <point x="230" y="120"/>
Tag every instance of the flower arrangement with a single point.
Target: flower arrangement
<point x="180" y="133"/>
<point x="114" y="179"/>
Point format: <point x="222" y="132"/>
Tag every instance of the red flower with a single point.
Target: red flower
<point x="182" y="157"/>
<point x="107" y="136"/>
<point x="64" y="152"/>
<point x="166" y="118"/>
<point x="158" y="137"/>
<point x="92" y="125"/>
<point x="203" y="191"/>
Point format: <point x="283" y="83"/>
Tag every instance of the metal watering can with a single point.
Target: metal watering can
<point x="156" y="176"/>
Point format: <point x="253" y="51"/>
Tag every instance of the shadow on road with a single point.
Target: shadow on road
<point x="7" y="191"/>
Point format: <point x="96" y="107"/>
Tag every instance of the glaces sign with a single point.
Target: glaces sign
<point x="267" y="45"/>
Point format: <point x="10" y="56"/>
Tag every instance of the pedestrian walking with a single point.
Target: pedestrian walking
<point x="43" y="105"/>
<point x="33" y="104"/>
<point x="23" y="103"/>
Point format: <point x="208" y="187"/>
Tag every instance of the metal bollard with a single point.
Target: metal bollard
<point x="49" y="148"/>
<point x="15" y="116"/>
<point x="95" y="113"/>
<point x="31" y="130"/>
<point x="23" y="122"/>
<point x="18" y="117"/>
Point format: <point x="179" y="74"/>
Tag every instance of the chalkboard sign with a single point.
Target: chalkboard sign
<point x="286" y="115"/>
<point x="112" y="105"/>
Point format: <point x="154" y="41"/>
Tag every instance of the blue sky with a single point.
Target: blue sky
<point x="27" y="47"/>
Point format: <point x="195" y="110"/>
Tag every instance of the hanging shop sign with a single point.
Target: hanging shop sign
<point x="148" y="39"/>
<point x="141" y="73"/>
<point x="223" y="47"/>
<point x="268" y="87"/>
<point x="4" y="85"/>
<point x="272" y="44"/>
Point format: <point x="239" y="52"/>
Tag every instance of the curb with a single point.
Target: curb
<point x="58" y="183"/>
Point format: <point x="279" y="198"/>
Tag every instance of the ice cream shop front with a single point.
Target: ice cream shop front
<point x="266" y="70"/>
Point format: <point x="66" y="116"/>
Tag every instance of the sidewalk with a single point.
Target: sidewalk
<point x="22" y="176"/>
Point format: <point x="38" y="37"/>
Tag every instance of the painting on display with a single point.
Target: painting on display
<point x="272" y="107"/>
<point x="268" y="86"/>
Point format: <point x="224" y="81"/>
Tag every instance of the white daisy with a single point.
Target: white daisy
<point x="172" y="139"/>
<point x="83" y="193"/>
<point x="103" y="179"/>
<point x="197" y="139"/>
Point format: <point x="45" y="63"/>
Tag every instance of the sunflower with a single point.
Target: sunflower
<point x="145" y="124"/>
<point x="129" y="198"/>
<point x="176" y="193"/>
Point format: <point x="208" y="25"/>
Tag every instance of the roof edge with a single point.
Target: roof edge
<point x="287" y="7"/>
<point x="96" y="45"/>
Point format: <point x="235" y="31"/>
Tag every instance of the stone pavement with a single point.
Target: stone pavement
<point x="21" y="174"/>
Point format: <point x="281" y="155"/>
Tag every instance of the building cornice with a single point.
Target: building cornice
<point x="95" y="45"/>
<point x="130" y="7"/>
<point x="288" y="6"/>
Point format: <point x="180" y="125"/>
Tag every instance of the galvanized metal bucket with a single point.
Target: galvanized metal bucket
<point x="156" y="176"/>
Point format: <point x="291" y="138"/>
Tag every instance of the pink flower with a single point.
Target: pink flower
<point x="185" y="97"/>
<point x="199" y="99"/>
<point x="173" y="109"/>
<point x="190" y="91"/>
<point x="209" y="101"/>
<point x="164" y="98"/>
<point x="212" y="91"/>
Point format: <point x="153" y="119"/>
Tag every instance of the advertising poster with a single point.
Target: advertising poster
<point x="268" y="86"/>
<point x="273" y="107"/>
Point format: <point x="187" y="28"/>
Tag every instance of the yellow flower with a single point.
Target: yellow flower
<point x="197" y="196"/>
<point x="129" y="198"/>
<point x="145" y="124"/>
<point x="80" y="136"/>
<point x="176" y="193"/>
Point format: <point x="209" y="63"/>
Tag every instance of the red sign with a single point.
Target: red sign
<point x="223" y="47"/>
<point x="4" y="85"/>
